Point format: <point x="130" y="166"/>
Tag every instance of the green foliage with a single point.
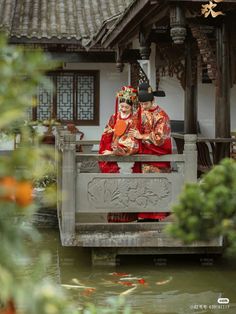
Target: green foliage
<point x="208" y="209"/>
<point x="45" y="174"/>
<point x="21" y="72"/>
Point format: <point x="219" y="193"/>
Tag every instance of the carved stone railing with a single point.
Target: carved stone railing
<point x="94" y="193"/>
<point x="206" y="149"/>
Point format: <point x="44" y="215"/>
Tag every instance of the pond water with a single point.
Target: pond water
<point x="170" y="285"/>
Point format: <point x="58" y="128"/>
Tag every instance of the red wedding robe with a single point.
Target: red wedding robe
<point x="121" y="146"/>
<point x="155" y="126"/>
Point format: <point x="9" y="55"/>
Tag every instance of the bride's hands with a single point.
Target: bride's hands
<point x="107" y="152"/>
<point x="136" y="134"/>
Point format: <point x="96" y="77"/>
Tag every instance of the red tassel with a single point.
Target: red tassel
<point x="116" y="111"/>
<point x="139" y="127"/>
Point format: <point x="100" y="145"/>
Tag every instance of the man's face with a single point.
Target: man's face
<point x="125" y="108"/>
<point x="146" y="105"/>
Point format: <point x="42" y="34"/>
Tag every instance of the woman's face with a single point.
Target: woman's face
<point x="146" y="105"/>
<point x="125" y="108"/>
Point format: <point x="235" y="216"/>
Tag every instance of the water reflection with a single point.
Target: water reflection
<point x="170" y="285"/>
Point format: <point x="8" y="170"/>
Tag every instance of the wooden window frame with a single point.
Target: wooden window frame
<point x="54" y="75"/>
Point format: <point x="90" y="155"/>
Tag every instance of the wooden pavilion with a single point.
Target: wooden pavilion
<point x="187" y="44"/>
<point x="193" y="39"/>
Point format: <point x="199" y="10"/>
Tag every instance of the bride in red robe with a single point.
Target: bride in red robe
<point x="116" y="140"/>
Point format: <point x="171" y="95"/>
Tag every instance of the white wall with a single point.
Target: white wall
<point x="110" y="83"/>
<point x="173" y="103"/>
<point x="206" y="109"/>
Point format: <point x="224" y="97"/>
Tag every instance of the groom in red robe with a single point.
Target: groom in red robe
<point x="154" y="137"/>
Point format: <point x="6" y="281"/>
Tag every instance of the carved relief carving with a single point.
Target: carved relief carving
<point x="89" y="166"/>
<point x="127" y="193"/>
<point x="206" y="51"/>
<point x="137" y="75"/>
<point x="174" y="59"/>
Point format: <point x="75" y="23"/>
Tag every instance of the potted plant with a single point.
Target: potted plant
<point x="49" y="137"/>
<point x="73" y="129"/>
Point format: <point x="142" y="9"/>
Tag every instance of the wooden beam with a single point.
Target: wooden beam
<point x="131" y="55"/>
<point x="83" y="57"/>
<point x="229" y="1"/>
<point x="131" y="20"/>
<point x="190" y="109"/>
<point x="222" y="100"/>
<point x="158" y="15"/>
<point x="154" y="15"/>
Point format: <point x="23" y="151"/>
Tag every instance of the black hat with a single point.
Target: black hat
<point x="145" y="93"/>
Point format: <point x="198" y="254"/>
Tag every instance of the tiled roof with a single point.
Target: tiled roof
<point x="61" y="19"/>
<point x="6" y="14"/>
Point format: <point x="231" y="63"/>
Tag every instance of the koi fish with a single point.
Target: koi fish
<point x="76" y="281"/>
<point x="126" y="283"/>
<point x="159" y="283"/>
<point x="88" y="291"/>
<point x="142" y="281"/>
<point x="130" y="278"/>
<point x="75" y="287"/>
<point x="129" y="290"/>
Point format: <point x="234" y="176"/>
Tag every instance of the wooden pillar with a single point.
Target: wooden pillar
<point x="190" y="109"/>
<point x="222" y="100"/>
<point x="119" y="63"/>
<point x="145" y="44"/>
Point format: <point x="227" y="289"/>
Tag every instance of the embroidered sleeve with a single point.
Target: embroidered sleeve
<point x="160" y="131"/>
<point x="107" y="136"/>
<point x="109" y="128"/>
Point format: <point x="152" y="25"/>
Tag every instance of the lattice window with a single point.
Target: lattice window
<point x="65" y="97"/>
<point x="85" y="101"/>
<point x="44" y="101"/>
<point x="73" y="97"/>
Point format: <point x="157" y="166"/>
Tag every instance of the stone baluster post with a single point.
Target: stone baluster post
<point x="59" y="138"/>
<point x="190" y="153"/>
<point x="68" y="189"/>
